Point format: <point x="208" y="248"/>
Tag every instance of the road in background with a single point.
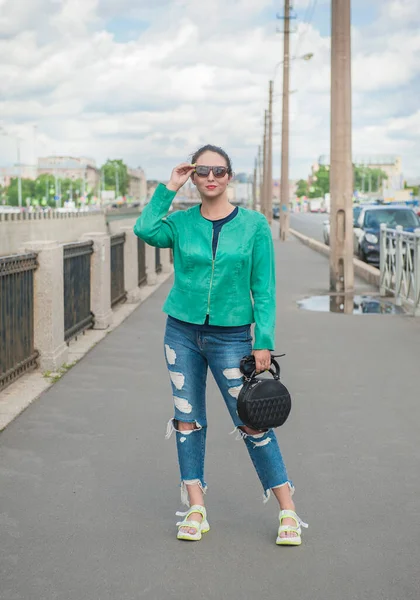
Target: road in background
<point x="309" y="224"/>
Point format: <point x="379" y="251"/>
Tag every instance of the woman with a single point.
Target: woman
<point x="222" y="255"/>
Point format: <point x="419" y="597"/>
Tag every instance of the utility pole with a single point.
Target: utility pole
<point x="341" y="174"/>
<point x="56" y="189"/>
<point x="259" y="175"/>
<point x="263" y="199"/>
<point x="284" y="184"/>
<point x="269" y="214"/>
<point x="254" y="185"/>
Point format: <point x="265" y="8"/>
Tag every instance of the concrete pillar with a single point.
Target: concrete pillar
<point x="165" y="259"/>
<point x="151" y="265"/>
<point x="49" y="304"/>
<point x="131" y="265"/>
<point x="100" y="279"/>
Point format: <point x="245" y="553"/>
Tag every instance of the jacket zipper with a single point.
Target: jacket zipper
<point x="212" y="267"/>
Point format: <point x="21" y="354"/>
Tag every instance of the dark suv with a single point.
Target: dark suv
<point x="367" y="229"/>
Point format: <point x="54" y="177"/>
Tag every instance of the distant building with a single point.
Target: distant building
<point x="137" y="185"/>
<point x="389" y="164"/>
<point x="9" y="173"/>
<point x="68" y="167"/>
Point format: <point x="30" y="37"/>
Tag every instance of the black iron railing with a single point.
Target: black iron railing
<point x="76" y="267"/>
<point x="158" y="263"/>
<point x="17" y="352"/>
<point x="118" y="293"/>
<point x="141" y="249"/>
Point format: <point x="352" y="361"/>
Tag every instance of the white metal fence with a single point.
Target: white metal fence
<point x="400" y="266"/>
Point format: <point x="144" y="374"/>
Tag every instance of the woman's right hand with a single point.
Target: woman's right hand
<point x="179" y="176"/>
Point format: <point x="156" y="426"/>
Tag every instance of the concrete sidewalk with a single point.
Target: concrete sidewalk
<point x="89" y="487"/>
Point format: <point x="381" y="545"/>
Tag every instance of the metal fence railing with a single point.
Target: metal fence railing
<point x="141" y="250"/>
<point x="400" y="266"/>
<point x="157" y="261"/>
<point x="118" y="293"/>
<point x="76" y="270"/>
<point x="17" y="352"/>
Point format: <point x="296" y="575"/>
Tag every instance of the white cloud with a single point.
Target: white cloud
<point x="194" y="77"/>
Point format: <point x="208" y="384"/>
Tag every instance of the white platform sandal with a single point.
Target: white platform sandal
<point x="200" y="528"/>
<point x="295" y="540"/>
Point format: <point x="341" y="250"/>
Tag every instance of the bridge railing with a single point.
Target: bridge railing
<point x="118" y="292"/>
<point x="52" y="292"/>
<point x="77" y="288"/>
<point x="18" y="354"/>
<point x="400" y="266"/>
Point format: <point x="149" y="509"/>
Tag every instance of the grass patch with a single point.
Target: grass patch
<point x="53" y="377"/>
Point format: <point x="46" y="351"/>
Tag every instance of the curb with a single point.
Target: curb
<point x="361" y="269"/>
<point x="25" y="390"/>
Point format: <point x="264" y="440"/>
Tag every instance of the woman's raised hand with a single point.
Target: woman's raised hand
<point x="179" y="176"/>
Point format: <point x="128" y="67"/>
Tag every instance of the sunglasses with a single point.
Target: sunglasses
<point x="218" y="172"/>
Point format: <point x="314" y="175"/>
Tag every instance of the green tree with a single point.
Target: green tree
<point x="302" y="188"/>
<point x="321" y="183"/>
<point x="12" y="193"/>
<point x="45" y="190"/>
<point x="361" y="178"/>
<point x="69" y="189"/>
<point x="366" y="179"/>
<point x="413" y="188"/>
<point x="113" y="170"/>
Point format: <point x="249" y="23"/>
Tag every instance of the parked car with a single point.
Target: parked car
<point x="367" y="232"/>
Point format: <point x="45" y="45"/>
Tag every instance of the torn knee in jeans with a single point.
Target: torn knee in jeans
<point x="255" y="436"/>
<point x="256" y="433"/>
<point x="184" y="427"/>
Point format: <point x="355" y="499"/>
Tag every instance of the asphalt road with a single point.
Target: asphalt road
<point x="309" y="224"/>
<point x="89" y="486"/>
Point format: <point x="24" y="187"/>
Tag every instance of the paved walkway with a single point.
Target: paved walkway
<point x="88" y="485"/>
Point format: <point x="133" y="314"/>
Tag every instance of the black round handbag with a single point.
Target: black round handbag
<point x="263" y="403"/>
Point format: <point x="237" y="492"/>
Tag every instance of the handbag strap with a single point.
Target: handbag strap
<point x="275" y="374"/>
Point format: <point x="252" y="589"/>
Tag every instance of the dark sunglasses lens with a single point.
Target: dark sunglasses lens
<point x="202" y="171"/>
<point x="219" y="171"/>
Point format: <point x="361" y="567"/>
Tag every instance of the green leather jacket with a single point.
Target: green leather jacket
<point x="222" y="288"/>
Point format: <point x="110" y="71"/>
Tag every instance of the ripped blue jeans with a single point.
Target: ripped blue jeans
<point x="189" y="352"/>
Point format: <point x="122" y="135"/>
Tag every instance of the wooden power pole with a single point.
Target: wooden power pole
<point x="341" y="169"/>
<point x="284" y="183"/>
<point x="269" y="213"/>
<point x="254" y="185"/>
<point x="263" y="199"/>
<point x="259" y="176"/>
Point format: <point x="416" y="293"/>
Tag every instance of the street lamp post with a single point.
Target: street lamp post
<point x="4" y="132"/>
<point x="19" y="173"/>
<point x="117" y="183"/>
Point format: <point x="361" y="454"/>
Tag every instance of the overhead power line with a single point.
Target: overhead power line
<point x="307" y="19"/>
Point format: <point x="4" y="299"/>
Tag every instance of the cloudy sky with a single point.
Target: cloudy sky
<point x="150" y="81"/>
